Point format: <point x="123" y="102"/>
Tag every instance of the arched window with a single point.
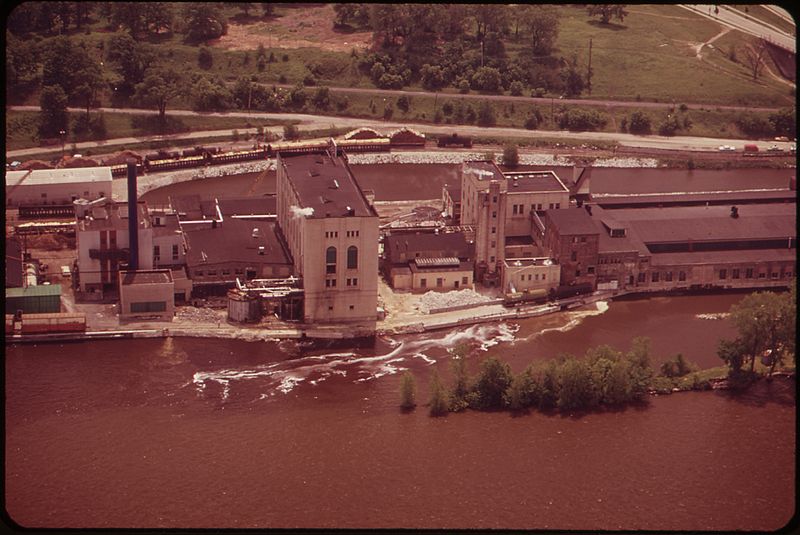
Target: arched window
<point x="352" y="257"/>
<point x="330" y="260"/>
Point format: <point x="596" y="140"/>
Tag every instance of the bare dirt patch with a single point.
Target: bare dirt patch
<point x="300" y="28"/>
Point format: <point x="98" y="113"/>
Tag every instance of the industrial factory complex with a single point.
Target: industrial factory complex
<point x="313" y="252"/>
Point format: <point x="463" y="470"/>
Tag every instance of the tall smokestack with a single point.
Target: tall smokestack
<point x="133" y="222"/>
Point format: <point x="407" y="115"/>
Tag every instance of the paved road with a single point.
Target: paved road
<point x="316" y="122"/>
<point x="738" y="20"/>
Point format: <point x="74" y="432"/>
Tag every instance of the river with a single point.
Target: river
<point x="225" y="433"/>
<point x="396" y="182"/>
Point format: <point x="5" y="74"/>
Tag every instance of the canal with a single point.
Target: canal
<point x="206" y="433"/>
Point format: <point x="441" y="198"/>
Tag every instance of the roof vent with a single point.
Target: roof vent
<point x="350" y="211"/>
<point x="734" y="212"/>
<point x="256" y="233"/>
<point x="261" y="249"/>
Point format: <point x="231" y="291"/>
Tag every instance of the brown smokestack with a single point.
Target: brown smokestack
<point x="133" y="222"/>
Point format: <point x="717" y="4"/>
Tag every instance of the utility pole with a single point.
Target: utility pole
<point x="589" y="70"/>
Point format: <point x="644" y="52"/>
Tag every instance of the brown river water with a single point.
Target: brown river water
<point x="394" y="182"/>
<point x="226" y="433"/>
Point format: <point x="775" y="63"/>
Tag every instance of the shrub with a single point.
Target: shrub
<point x="639" y="123"/>
<point x="678" y="366"/>
<point x="447" y="108"/>
<point x="576" y="389"/>
<point x="290" y="132"/>
<point x="463" y="86"/>
<point x="403" y="104"/>
<point x="282" y="79"/>
<point x="516" y="88"/>
<point x="534" y="119"/>
<point x="486" y="115"/>
<point x="205" y="59"/>
<point x="438" y="402"/>
<point x="581" y="120"/>
<point x="309" y="80"/>
<point x="407" y="391"/>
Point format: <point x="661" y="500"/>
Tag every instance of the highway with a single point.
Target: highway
<point x="743" y="22"/>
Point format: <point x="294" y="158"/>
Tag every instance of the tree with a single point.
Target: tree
<point x="732" y="352"/>
<point x="322" y="98"/>
<point x="639" y="123"/>
<point x="492" y="382"/>
<point x="461" y="387"/>
<point x="211" y="94"/>
<point x="438" y="400"/>
<point x="22" y="64"/>
<point x="87" y="79"/>
<point x="129" y="59"/>
<point x="53" y="118"/>
<point x="541" y="25"/>
<point x="754" y="53"/>
<point x="205" y="59"/>
<point x="290" y="132"/>
<point x="407" y="391"/>
<point x="510" y="155"/>
<point x="344" y="12"/>
<point x="403" y="103"/>
<point x="160" y="85"/>
<point x="432" y="77"/>
<point x="572" y="77"/>
<point x="576" y="389"/>
<point x="639" y="371"/>
<point x="204" y="21"/>
<point x="784" y="122"/>
<point x="486" y="114"/>
<point x="607" y="11"/>
<point x="486" y="79"/>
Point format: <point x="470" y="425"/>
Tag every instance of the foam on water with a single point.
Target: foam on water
<point x="286" y="375"/>
<point x="575" y="319"/>
<point x="713" y="316"/>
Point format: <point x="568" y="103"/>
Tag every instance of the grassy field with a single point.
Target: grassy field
<point x="21" y="126"/>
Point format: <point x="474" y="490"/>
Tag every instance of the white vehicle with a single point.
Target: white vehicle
<point x="65" y="271"/>
<point x="726" y="148"/>
<point x="774" y="148"/>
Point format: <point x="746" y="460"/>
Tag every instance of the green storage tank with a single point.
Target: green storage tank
<point x="42" y="299"/>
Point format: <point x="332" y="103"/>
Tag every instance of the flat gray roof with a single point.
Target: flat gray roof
<point x="326" y="185"/>
<point x="527" y="181"/>
<point x="58" y="176"/>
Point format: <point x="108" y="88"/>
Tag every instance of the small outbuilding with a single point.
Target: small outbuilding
<point x="146" y="294"/>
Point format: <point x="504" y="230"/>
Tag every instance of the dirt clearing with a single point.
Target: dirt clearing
<point x="299" y="28"/>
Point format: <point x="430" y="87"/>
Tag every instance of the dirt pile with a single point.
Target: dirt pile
<point x="436" y="300"/>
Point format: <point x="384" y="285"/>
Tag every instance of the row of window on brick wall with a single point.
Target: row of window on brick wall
<point x="534" y="275"/>
<point x="213" y="272"/>
<point x="351" y="282"/>
<point x="157" y="253"/>
<point x="335" y="234"/>
<point x="519" y="209"/>
<point x="423" y="283"/>
<point x="749" y="274"/>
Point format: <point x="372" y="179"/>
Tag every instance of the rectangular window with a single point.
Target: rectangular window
<point x="788" y="274"/>
<point x="583" y="239"/>
<point x="212" y="272"/>
<point x="668" y="276"/>
<point x="494" y="230"/>
<point x="175" y="252"/>
<point x="590" y="270"/>
<point x="762" y="275"/>
<point x="577" y="272"/>
<point x="551" y="206"/>
<point x="493" y="244"/>
<point x="355" y="282"/>
<point x="226" y="271"/>
<point x="423" y="283"/>
<point x="654" y="276"/>
<point x="681" y="275"/>
<point x="494" y="199"/>
<point x="514" y="209"/>
<point x="156" y="251"/>
<point x="537" y="277"/>
<point x="491" y="259"/>
<point x="539" y="206"/>
<point x="533" y="207"/>
<point x="439" y="282"/>
<point x="735" y="274"/>
<point x="494" y="215"/>
<point x="544" y="276"/>
<point x="349" y="282"/>
<point x="330" y="308"/>
<point x="774" y="274"/>
<point x="352" y="307"/>
<point x="748" y="273"/>
<point x="464" y="280"/>
<point x="558" y="205"/>
<point x="640" y="277"/>
<point x="723" y="274"/>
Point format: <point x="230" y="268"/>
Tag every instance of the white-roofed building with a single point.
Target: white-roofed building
<point x="57" y="186"/>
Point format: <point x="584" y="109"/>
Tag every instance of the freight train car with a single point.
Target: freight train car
<point x="122" y="169"/>
<point x="455" y="141"/>
<point x="64" y="322"/>
<point x="529" y="297"/>
<point x="563" y="292"/>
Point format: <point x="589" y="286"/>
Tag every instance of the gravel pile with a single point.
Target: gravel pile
<point x="151" y="182"/>
<point x="433" y="300"/>
<point x="197" y="314"/>
<point x="459" y="157"/>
